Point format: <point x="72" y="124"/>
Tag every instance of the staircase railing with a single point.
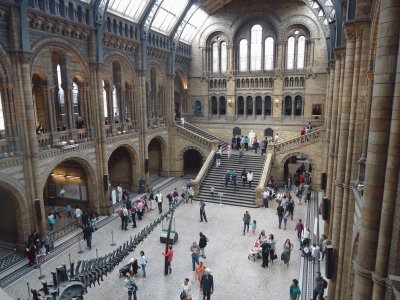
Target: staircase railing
<point x="194" y="137"/>
<point x="309" y="138"/>
<point x="190" y="125"/>
<point x="266" y="172"/>
<point x="196" y="183"/>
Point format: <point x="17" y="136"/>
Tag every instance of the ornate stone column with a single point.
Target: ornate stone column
<point x="334" y="136"/>
<point x="366" y="282"/>
<point x="342" y="158"/>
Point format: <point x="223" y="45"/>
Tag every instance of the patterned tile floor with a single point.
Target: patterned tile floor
<point x="235" y="277"/>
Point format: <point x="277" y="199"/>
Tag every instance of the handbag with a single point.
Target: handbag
<point x="183" y="295"/>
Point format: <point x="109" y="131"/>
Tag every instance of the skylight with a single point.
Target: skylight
<point x="194" y="24"/>
<point x="128" y="9"/>
<point x="167" y="15"/>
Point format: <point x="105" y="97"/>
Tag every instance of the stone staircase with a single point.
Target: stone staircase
<point x="204" y="134"/>
<point x="244" y="196"/>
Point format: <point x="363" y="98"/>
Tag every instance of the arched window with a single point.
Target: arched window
<point x="115" y="104"/>
<point x="240" y="105"/>
<point x="258" y="106"/>
<point x="105" y="108"/>
<point x="288" y="106"/>
<point x="290" y="53"/>
<point x="222" y="105"/>
<point x="243" y="56"/>
<point x="215" y="58"/>
<point x="301" y="46"/>
<point x="224" y="57"/>
<point x="214" y="105"/>
<point x="269" y="54"/>
<point x="61" y="99"/>
<point x="268" y="106"/>
<point x="76" y="105"/>
<point x="249" y="105"/>
<point x="298" y="106"/>
<point x="2" y="125"/>
<point x="256" y="48"/>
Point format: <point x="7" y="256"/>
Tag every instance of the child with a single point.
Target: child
<point x="254" y="227"/>
<point x="199" y="270"/>
<point x="212" y="190"/>
<point x="229" y="149"/>
<point x="42" y="253"/>
<point x="285" y="218"/>
<point x="46" y="243"/>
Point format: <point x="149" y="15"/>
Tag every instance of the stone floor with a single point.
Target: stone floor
<point x="235" y="277"/>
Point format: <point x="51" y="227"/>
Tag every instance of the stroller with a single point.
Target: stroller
<point x="132" y="267"/>
<point x="255" y="252"/>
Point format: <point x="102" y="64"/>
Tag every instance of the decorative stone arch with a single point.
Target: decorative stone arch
<point x="13" y="186"/>
<point x="63" y="44"/>
<point x="133" y="152"/>
<point x="282" y="163"/>
<point x="159" y="67"/>
<point x="164" y="149"/>
<point x="182" y="153"/>
<point x="134" y="172"/>
<point x="302" y="20"/>
<point x="87" y="164"/>
<point x="266" y="17"/>
<point x="123" y="61"/>
<point x="212" y="29"/>
<point x="182" y="76"/>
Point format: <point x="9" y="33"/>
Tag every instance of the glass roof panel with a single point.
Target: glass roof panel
<point x="128" y="9"/>
<point x="194" y="24"/>
<point x="168" y="14"/>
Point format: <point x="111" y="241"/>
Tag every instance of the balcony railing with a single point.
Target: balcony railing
<point x="299" y="141"/>
<point x="5" y="148"/>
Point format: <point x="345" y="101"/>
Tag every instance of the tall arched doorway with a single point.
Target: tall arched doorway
<point x="155" y="158"/>
<point x="192" y="163"/>
<point x="294" y="164"/>
<point x="9" y="217"/>
<point x="120" y="169"/>
<point x="68" y="183"/>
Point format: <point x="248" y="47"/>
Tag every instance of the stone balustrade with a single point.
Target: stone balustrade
<point x="309" y="138"/>
<point x="5" y="149"/>
<point x="203" y="172"/>
<point x="194" y="137"/>
<point x="266" y="172"/>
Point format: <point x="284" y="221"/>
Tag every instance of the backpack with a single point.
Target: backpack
<point x="324" y="283"/>
<point x="183" y="295"/>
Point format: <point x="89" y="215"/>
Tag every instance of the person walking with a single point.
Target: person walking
<point x="229" y="149"/>
<point x="234" y="179"/>
<point x="56" y="212"/>
<point x="159" y="200"/>
<point x="249" y="178"/>
<point x="287" y="249"/>
<point x="254" y="227"/>
<point x="203" y="211"/>
<point x="133" y="216"/>
<point x="244" y="177"/>
<point x="266" y="197"/>
<point x="266" y="247"/>
<point x="69" y="210"/>
<point x="169" y="255"/>
<point x="320" y="285"/>
<point x="299" y="229"/>
<point x="246" y="222"/>
<point x="218" y="158"/>
<point x="212" y="191"/>
<point x="186" y="293"/>
<point x="143" y="263"/>
<point x="195" y="251"/>
<point x="241" y="154"/>
<point x="272" y="242"/>
<point x="87" y="235"/>
<point x="280" y="211"/>
<point x="142" y="185"/>
<point x="227" y="178"/>
<point x="207" y="284"/>
<point x="52" y="221"/>
<point x="294" y="290"/>
<point x="191" y="194"/>
<point x="202" y="244"/>
<point x="124" y="218"/>
<point x="322" y="244"/>
<point x="130" y="284"/>
<point x="78" y="216"/>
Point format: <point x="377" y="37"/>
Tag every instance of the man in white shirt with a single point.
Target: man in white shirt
<point x="159" y="200"/>
<point x="78" y="216"/>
